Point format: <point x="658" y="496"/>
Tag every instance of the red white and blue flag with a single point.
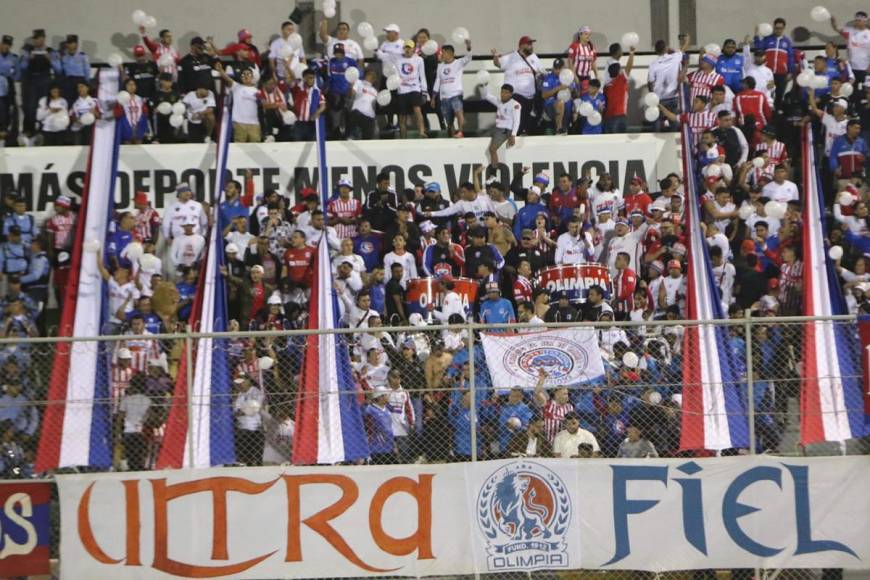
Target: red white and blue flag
<point x="329" y="425"/>
<point x="211" y="440"/>
<point x="832" y="403"/>
<point x="714" y="412"/>
<point x="76" y="428"/>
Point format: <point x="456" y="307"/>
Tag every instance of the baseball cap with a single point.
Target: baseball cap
<point x="773" y="283"/>
<point x="125" y="353"/>
<point x="244" y="34"/>
<point x="584" y="29"/>
<point x="478" y="232"/>
<point x="712" y="179"/>
<point x="748" y="246"/>
<point x="769" y="130"/>
<point x="257" y="268"/>
<point x="63" y="201"/>
<point x="339" y="47"/>
<point x="657" y="266"/>
<point x="181" y="187"/>
<point x="603" y="210"/>
<point x="427" y="226"/>
<point x="409" y="43"/>
<point x="535" y="189"/>
<point x="231" y="248"/>
<point x="241" y="378"/>
<point x="492" y="287"/>
<point x="197" y="41"/>
<point x="674" y="264"/>
<point x="558" y="63"/>
<point x="140" y="197"/>
<point x="563" y="294"/>
<point x="391" y="28"/>
<point x="860" y="15"/>
<point x="432" y="186"/>
<point x="709" y="59"/>
<point x="190" y="221"/>
<point x="138" y="50"/>
<point x="840" y="103"/>
<point x="637" y="180"/>
<point x="526" y="40"/>
<point x="345" y="183"/>
<point x="542" y="178"/>
<point x="622" y="223"/>
<point x="636" y="213"/>
<point x="380" y="392"/>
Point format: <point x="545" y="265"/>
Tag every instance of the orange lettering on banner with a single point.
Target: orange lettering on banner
<point x="319" y="522"/>
<point x="421" y="540"/>
<point x="86" y="533"/>
<point x="218" y="486"/>
<point x="131" y="495"/>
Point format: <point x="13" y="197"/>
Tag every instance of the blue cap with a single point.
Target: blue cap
<point x="432" y="186"/>
<point x="710" y="60"/>
<point x="623" y="222"/>
<point x="541" y="178"/>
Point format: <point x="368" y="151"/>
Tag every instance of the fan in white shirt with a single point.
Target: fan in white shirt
<point x="392" y="47"/>
<point x="352" y="49"/>
<point x="781" y="189"/>
<point x="754" y="66"/>
<point x="187" y="249"/>
<point x="285" y="40"/>
<point x="180" y="210"/>
<point x="521" y="68"/>
<point x="401" y="256"/>
<point x="413" y="90"/>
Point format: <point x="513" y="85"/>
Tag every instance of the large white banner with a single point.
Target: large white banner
<point x="417" y="520"/>
<point x="41" y="174"/>
<point x="568" y="355"/>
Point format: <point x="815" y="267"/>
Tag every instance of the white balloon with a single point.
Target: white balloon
<point x="429" y="47"/>
<point x="134" y="251"/>
<point x="835" y="253"/>
<point x="586" y="108"/>
<point x="820" y="14"/>
<point x="370" y="43"/>
<point x="845" y="198"/>
<point x="630" y="360"/>
<point x="594" y="118"/>
<point x="714" y="170"/>
<point x="289" y="117"/>
<point x="805" y="79"/>
<point x="564" y="95"/>
<point x="298" y="68"/>
<point x="150" y="22"/>
<point x="651" y="100"/>
<point x="61" y="119"/>
<point x="655" y="397"/>
<point x="123" y="97"/>
<point x="713" y="49"/>
<point x="87" y="119"/>
<point x="746" y="211"/>
<point x="176" y="120"/>
<point x="285" y="52"/>
<point x="92" y="246"/>
<point x="630" y="40"/>
<point x="139" y="17"/>
<point x="651" y="114"/>
<point x="393" y="82"/>
<point x="166" y="60"/>
<point x="255" y="72"/>
<point x="329" y="11"/>
<point x="351" y="74"/>
<point x="566" y="77"/>
<point x="459" y="35"/>
<point x="482" y="77"/>
<point x="775" y="209"/>
<point x="384" y="97"/>
<point x="295" y="40"/>
<point x="820" y="81"/>
<point x="266" y="362"/>
<point x="846" y="90"/>
<point x="165" y="108"/>
<point x="115" y="60"/>
<point x="365" y="29"/>
<point x="758" y="162"/>
<point x="149" y="262"/>
<point x="765" y="29"/>
<point x="178" y="108"/>
<point x="514" y="422"/>
<point x="389" y="69"/>
<point x="251" y="407"/>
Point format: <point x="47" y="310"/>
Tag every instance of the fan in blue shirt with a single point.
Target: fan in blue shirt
<point x="495" y="309"/>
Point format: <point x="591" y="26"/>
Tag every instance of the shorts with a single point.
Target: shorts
<point x="451" y="105"/>
<point x="499" y="138"/>
<point x="408" y="101"/>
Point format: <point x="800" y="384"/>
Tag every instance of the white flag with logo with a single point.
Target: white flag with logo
<point x="568" y="355"/>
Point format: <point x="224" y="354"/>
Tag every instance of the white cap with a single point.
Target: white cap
<point x="427" y="226"/>
<point x="380" y="392"/>
<point x="125" y="353"/>
<point x="345" y="183"/>
<point x="391" y="28"/>
<point x="232" y="248"/>
<point x="535" y="189"/>
<point x="840" y="103"/>
<point x="274" y="299"/>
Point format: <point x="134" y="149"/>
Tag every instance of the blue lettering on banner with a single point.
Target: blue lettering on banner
<point x="694" y="529"/>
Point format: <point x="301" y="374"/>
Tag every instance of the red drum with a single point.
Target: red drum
<point x="574" y="279"/>
<point x="425" y="291"/>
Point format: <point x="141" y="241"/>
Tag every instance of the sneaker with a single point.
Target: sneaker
<point x="459" y="135"/>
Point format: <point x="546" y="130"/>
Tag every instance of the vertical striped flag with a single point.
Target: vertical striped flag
<point x="832" y="406"/>
<point x="714" y="413"/>
<point x="206" y="437"/>
<point x="329" y="426"/>
<point x="77" y="424"/>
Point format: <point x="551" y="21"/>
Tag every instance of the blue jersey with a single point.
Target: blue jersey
<point x="119" y="240"/>
<point x="186" y="291"/>
<point x="230" y="210"/>
<point x="731" y="69"/>
<point x="337" y="81"/>
<point x="522" y="412"/>
<point x="498" y="311"/>
<point x="369" y="248"/>
<point x="597" y="103"/>
<point x="379" y="425"/>
<point x="378" y="293"/>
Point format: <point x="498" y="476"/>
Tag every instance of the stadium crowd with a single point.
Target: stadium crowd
<point x="425" y="257"/>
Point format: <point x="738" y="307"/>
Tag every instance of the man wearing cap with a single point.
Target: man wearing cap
<point x="857" y="36"/>
<point x="479" y="251"/>
<point x="625" y="240"/>
<point x="288" y="27"/>
<point x="14" y="253"/>
<point x="345" y="211"/>
<point x="37" y="66"/>
<point x="521" y="70"/>
<point x="834" y="122"/>
<point x="755" y="66"/>
<point x="147" y="220"/>
<point x="432" y="201"/>
<point x="470" y="201"/>
<point x="308" y="104"/>
<point x="494" y="309"/>
<point x="122" y="373"/>
<point x="392" y="48"/>
<point x="705" y="78"/>
<point x="144" y="71"/>
<point x="526" y="250"/>
<point x="75" y="67"/>
<point x="672" y="291"/>
<point x="9" y="70"/>
<point x="187" y="249"/>
<point x="247" y="405"/>
<point x="160" y="48"/>
<point x="413" y="90"/>
<point x="165" y="92"/>
<point x="182" y="208"/>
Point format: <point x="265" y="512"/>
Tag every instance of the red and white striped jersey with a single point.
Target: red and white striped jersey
<point x="554" y="414"/>
<point x="583" y="57"/>
<point x="776" y="154"/>
<point x="63" y="227"/>
<point x="134" y="110"/>
<point x="143" y="349"/>
<point x="339" y="208"/>
<point x="275" y="96"/>
<point x="790" y="276"/>
<point x="701" y="83"/>
<point x="121" y="378"/>
<point x="250" y="368"/>
<point x="698" y="123"/>
<point x="147" y="222"/>
<point x="624" y="284"/>
<point x="159" y="49"/>
<point x="522" y="289"/>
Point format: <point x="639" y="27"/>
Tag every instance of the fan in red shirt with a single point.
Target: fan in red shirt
<point x="243" y="50"/>
<point x="750" y="103"/>
<point x="637" y="197"/>
<point x="616" y="96"/>
<point x="581" y="57"/>
<point x="624" y="285"/>
<point x="297" y="261"/>
<point x="564" y="198"/>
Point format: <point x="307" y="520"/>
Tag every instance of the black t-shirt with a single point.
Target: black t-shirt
<point x="394" y="288"/>
<point x="533" y="256"/>
<point x="195" y="72"/>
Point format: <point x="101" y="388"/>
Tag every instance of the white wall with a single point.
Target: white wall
<point x="105" y="27"/>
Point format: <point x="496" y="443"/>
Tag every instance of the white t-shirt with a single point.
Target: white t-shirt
<point x="118" y="294"/>
<point x="783" y="193"/>
<point x="833" y="129"/>
<point x="413" y="75"/>
<point x="243" y="420"/>
<point x="409" y="265"/>
<point x="673" y="288"/>
<point x="565" y="444"/>
<point x="724" y="276"/>
<point x="520" y="74"/>
<point x="352" y="49"/>
<point x="80" y="107"/>
<point x="245" y="104"/>
<point x="364" y="98"/>
<point x="196" y="106"/>
<point x="239" y="239"/>
<point x="187" y="250"/>
<point x="177" y="213"/>
<point x="663" y="74"/>
<point x="390" y="51"/>
<point x="135" y="407"/>
<point x="858" y="42"/>
<point x="275" y="51"/>
<point x="507" y="114"/>
<point x="448" y="78"/>
<point x="146" y="275"/>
